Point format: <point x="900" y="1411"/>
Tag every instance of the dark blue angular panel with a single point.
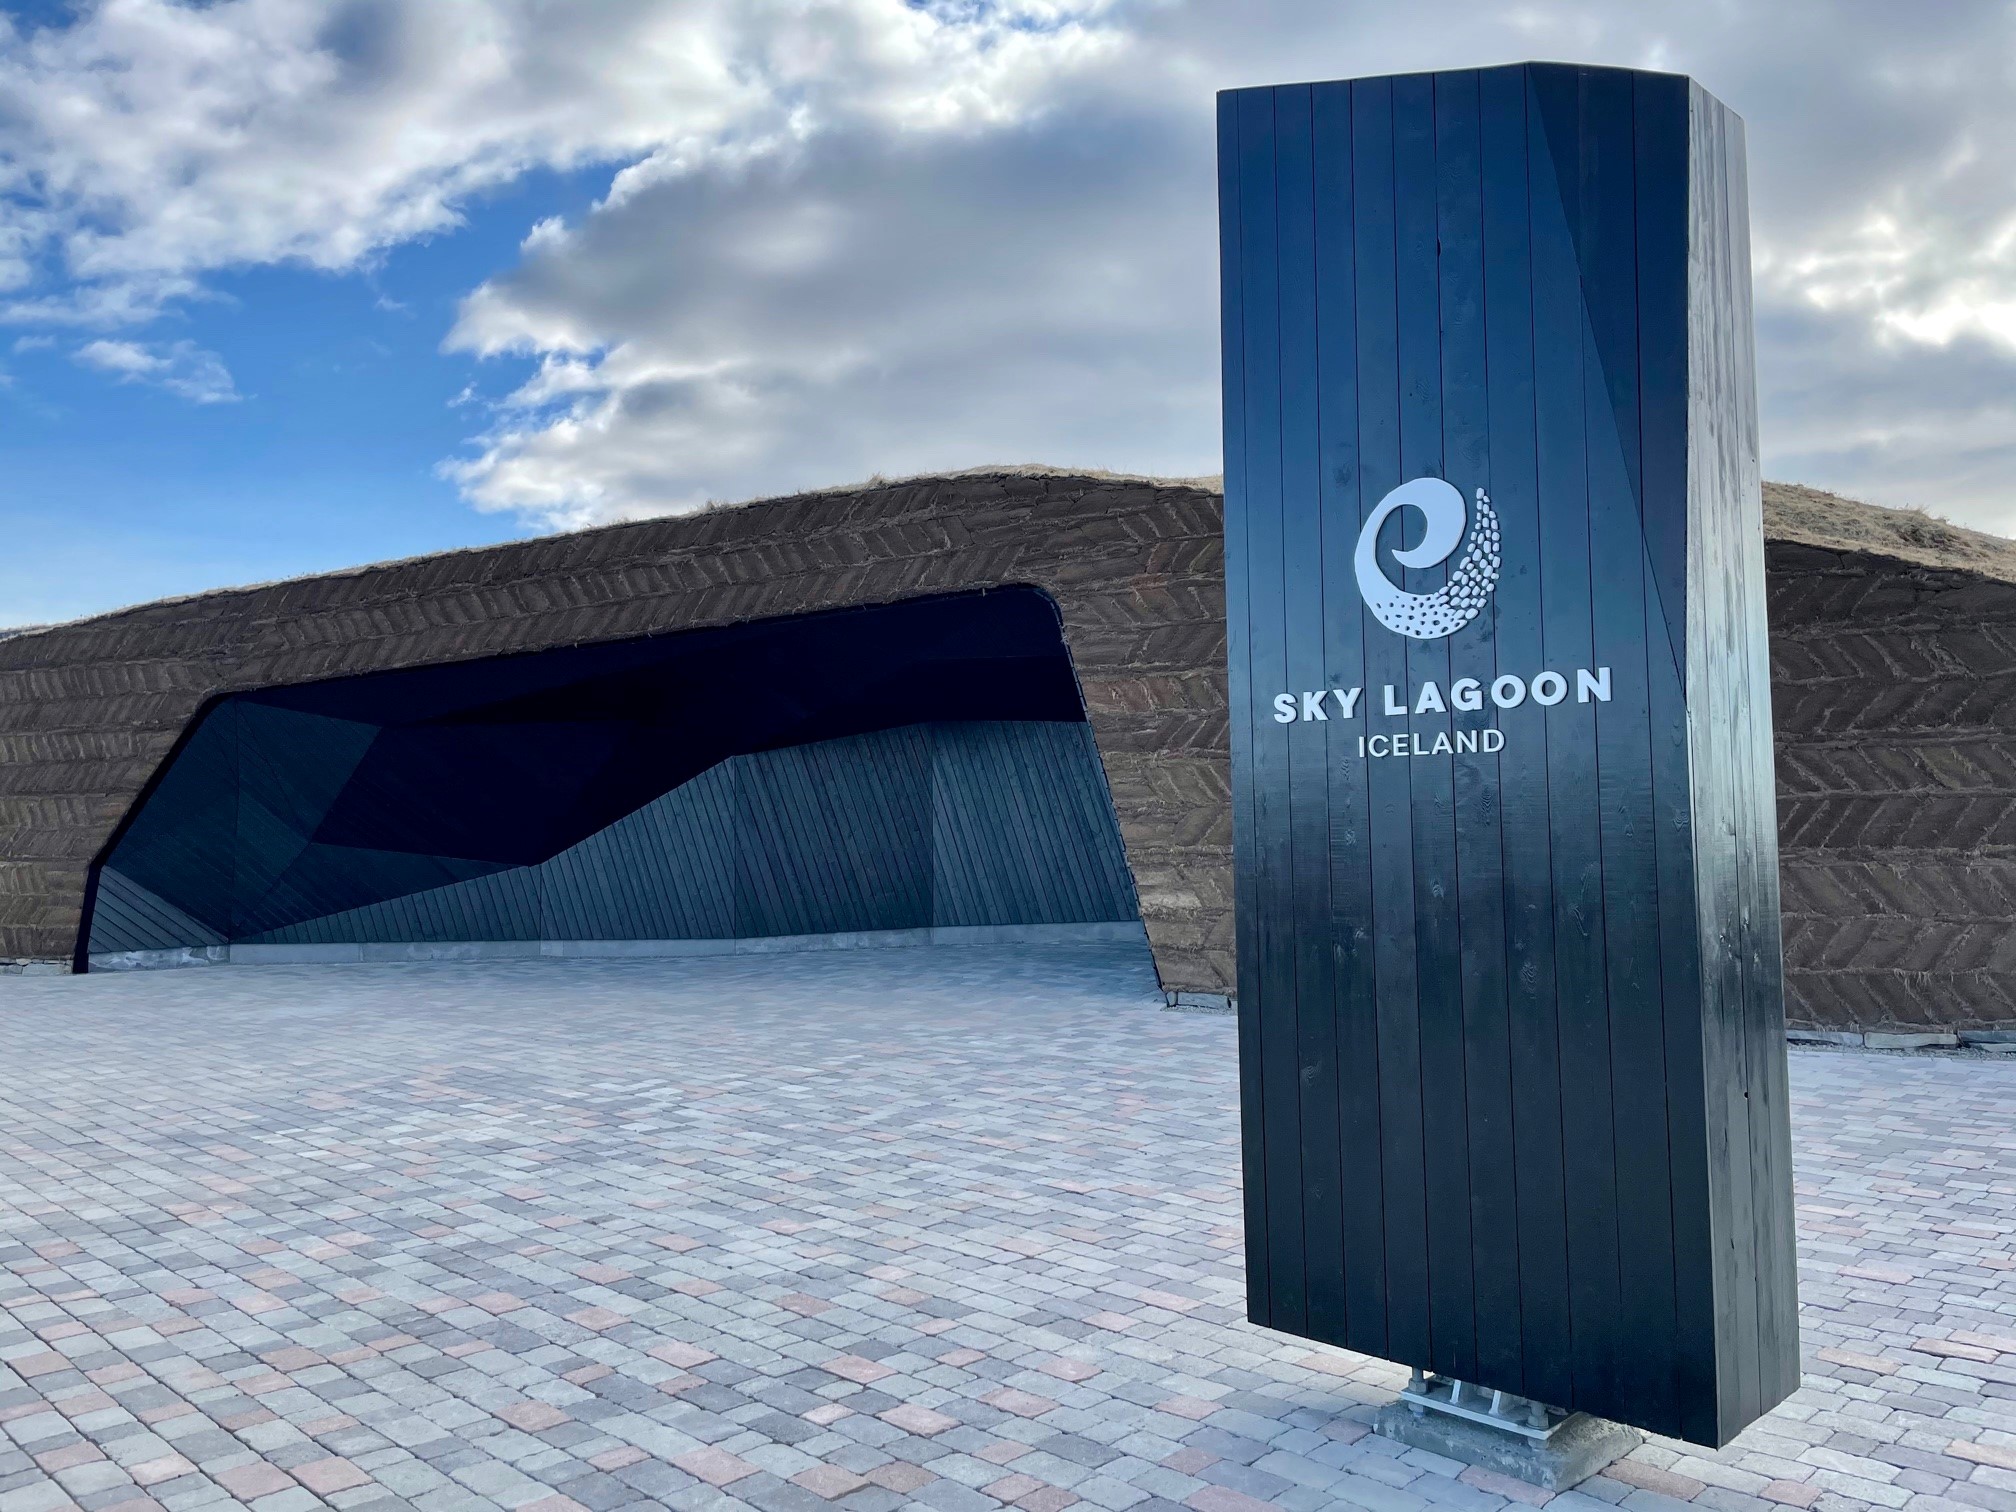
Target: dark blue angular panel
<point x="291" y="804"/>
<point x="292" y="766"/>
<point x="790" y="777"/>
<point x="826" y="838"/>
<point x="326" y="879"/>
<point x="500" y="905"/>
<point x="181" y="844"/>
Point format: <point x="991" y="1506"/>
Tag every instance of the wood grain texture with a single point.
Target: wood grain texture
<point x="1736" y="840"/>
<point x="89" y="711"/>
<point x="1893" y="668"/>
<point x="1527" y="1011"/>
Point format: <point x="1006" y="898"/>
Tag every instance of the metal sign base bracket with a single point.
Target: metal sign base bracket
<point x="1495" y="1430"/>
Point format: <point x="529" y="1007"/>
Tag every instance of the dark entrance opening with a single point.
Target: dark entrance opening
<point x="921" y="767"/>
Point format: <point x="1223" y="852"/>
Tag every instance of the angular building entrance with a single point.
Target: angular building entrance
<point x="914" y="771"/>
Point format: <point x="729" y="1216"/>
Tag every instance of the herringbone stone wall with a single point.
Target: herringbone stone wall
<point x="1893" y="657"/>
<point x="88" y="710"/>
<point x="1893" y="667"/>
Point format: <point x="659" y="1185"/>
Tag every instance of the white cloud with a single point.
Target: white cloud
<point x="849" y="236"/>
<point x="869" y="299"/>
<point x="152" y="142"/>
<point x="180" y="367"/>
<point x="848" y="308"/>
<point x="866" y="300"/>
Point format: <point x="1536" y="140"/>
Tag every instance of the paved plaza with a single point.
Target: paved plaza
<point x="950" y="1228"/>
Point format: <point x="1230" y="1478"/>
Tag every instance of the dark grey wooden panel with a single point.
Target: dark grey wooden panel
<point x="129" y="917"/>
<point x="323" y="880"/>
<point x="1313" y="962"/>
<point x="1484" y="1043"/>
<point x="1538" y="1240"/>
<point x="1241" y="642"/>
<point x="1388" y="838"/>
<point x="1022" y="827"/>
<point x="666" y="872"/>
<point x="1437" y="942"/>
<point x="961" y="823"/>
<point x="497" y="906"/>
<point x="835" y="836"/>
<point x="1735" y="819"/>
<point x="1511" y="1053"/>
<point x="1359" y="1238"/>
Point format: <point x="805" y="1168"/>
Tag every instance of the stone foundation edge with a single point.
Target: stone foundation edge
<point x="1098" y="932"/>
<point x="1996" y="1041"/>
<point x="1577" y="1449"/>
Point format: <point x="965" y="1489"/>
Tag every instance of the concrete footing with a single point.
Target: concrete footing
<point x="1542" y="1446"/>
<point x="1990" y="1041"/>
<point x="1129" y="930"/>
<point x="1200" y="1002"/>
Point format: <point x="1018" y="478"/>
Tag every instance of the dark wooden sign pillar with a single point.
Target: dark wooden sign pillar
<point x="1509" y="985"/>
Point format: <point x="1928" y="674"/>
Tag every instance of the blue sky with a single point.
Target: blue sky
<point x="120" y="492"/>
<point x="287" y="285"/>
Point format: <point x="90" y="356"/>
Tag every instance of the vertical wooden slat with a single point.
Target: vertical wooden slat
<point x="1242" y="718"/>
<point x="1540" y="1237"/>
<point x="1361" y="1257"/>
<point x="1735" y="834"/>
<point x="1437" y="925"/>
<point x="1770" y="1166"/>
<point x="1267" y="628"/>
<point x="1390" y="833"/>
<point x="1483" y="1040"/>
<point x="1588" y="1125"/>
<point x="1606" y="242"/>
<point x="1302" y="600"/>
<point x="1560" y="1061"/>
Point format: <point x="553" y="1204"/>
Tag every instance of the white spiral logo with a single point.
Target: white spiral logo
<point x="1430" y="616"/>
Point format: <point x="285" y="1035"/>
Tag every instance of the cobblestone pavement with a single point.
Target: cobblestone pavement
<point x="948" y="1229"/>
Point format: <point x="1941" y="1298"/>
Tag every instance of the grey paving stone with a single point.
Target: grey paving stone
<point x="335" y="1235"/>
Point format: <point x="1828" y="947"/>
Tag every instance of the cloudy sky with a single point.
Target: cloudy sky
<point x="290" y="284"/>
